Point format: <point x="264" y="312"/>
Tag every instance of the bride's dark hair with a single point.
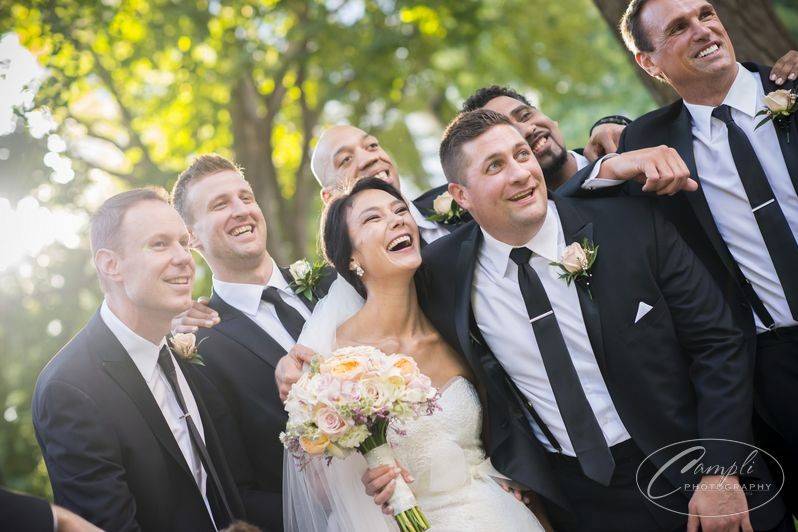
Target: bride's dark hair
<point x="336" y="244"/>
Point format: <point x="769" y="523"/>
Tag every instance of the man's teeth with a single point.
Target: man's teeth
<point x="706" y="51"/>
<point x="396" y="242"/>
<point x="178" y="280"/>
<point x="521" y="195"/>
<point x="539" y="143"/>
<point x="381" y="175"/>
<point x="241" y="230"/>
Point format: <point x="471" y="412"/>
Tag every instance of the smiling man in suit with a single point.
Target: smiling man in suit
<point x="259" y="314"/>
<point x="128" y="442"/>
<point x="743" y="220"/>
<point x="587" y="379"/>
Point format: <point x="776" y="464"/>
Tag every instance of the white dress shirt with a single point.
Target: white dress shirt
<point x="430" y="231"/>
<point x="500" y="313"/>
<point x="145" y="357"/>
<point x="725" y="194"/>
<point x="581" y="160"/>
<point x="247" y="299"/>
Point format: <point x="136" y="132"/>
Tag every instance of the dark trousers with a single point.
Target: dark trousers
<point x="618" y="507"/>
<point x="776" y="391"/>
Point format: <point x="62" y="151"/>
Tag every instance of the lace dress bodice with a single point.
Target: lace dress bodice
<point x="455" y="485"/>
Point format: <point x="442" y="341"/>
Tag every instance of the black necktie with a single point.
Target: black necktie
<point x="583" y="429"/>
<point x="773" y="225"/>
<point x="290" y="317"/>
<point x="168" y="367"/>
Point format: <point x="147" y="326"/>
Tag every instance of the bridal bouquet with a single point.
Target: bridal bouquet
<point x="346" y="402"/>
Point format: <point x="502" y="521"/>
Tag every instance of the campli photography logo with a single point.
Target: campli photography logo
<point x="685" y="463"/>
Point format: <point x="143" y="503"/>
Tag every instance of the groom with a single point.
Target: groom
<point x="585" y="379"/>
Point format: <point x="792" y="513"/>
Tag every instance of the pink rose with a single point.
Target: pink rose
<point x="574" y="258"/>
<point x="329" y="421"/>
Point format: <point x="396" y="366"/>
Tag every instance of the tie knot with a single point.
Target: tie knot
<point x="271" y="295"/>
<point x="521" y="256"/>
<point x="723" y="112"/>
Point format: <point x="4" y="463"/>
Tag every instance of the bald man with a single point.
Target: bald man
<point x="345" y="154"/>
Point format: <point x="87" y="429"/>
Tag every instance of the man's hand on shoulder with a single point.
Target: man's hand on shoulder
<point x="786" y="68"/>
<point x="289" y="368"/>
<point x="719" y="506"/>
<point x="660" y="170"/>
<point x="603" y="139"/>
<point x="198" y="315"/>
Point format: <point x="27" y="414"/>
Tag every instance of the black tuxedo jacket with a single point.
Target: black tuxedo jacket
<point x="424" y="204"/>
<point x="689" y="211"/>
<point x="679" y="373"/>
<point x="109" y="451"/>
<point x="240" y="358"/>
<point x="24" y="512"/>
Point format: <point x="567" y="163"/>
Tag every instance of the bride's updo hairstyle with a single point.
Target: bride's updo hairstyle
<point x="336" y="244"/>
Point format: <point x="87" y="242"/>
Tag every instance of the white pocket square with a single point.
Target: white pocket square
<point x="642" y="309"/>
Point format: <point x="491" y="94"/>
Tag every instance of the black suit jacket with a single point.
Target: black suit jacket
<point x="679" y="373"/>
<point x="425" y="201"/>
<point x="109" y="451"/>
<point x="24" y="512"/>
<point x="689" y="212"/>
<point x="240" y="358"/>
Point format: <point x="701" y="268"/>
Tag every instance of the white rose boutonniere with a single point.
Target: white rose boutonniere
<point x="306" y="276"/>
<point x="779" y="105"/>
<point x="185" y="345"/>
<point x="577" y="261"/>
<point x="447" y="211"/>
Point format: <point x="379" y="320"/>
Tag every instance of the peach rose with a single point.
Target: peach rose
<point x="329" y="421"/>
<point x="315" y="445"/>
<point x="443" y="203"/>
<point x="779" y="101"/>
<point x="574" y="258"/>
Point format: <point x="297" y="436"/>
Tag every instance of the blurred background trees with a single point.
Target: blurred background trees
<point x="130" y="90"/>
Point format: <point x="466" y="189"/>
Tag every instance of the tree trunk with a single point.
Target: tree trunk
<point x="254" y="153"/>
<point x="755" y="29"/>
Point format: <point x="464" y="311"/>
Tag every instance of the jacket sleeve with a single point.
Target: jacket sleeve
<point x="721" y="367"/>
<point x="573" y="187"/>
<point x="83" y="458"/>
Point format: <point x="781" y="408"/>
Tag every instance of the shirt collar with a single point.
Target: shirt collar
<point x="743" y="96"/>
<point x="581" y="160"/>
<point x="246" y="297"/>
<point x="545" y="243"/>
<point x="420" y="219"/>
<point x="143" y="352"/>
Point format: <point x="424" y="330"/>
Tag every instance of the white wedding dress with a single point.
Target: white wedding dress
<point x="454" y="484"/>
<point x="456" y="487"/>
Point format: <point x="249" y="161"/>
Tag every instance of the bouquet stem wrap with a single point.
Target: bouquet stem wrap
<point x="405" y="508"/>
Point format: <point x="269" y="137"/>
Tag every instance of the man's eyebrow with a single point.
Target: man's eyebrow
<point x="520" y="109"/>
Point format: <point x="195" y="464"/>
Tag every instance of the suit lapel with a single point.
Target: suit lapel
<point x="118" y="364"/>
<point x="788" y="136"/>
<point x="576" y="229"/>
<point x="238" y="327"/>
<point x="682" y="135"/>
<point x="464" y="280"/>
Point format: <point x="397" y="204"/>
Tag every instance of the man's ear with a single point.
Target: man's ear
<point x="460" y="195"/>
<point x="326" y="195"/>
<point x="107" y="263"/>
<point x="647" y="63"/>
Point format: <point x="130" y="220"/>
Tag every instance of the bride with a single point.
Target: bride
<point x="372" y="241"/>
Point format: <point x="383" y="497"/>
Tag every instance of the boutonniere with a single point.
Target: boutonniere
<point x="185" y="345"/>
<point x="779" y="105"/>
<point x="306" y="276"/>
<point x="577" y="261"/>
<point x="447" y="211"/>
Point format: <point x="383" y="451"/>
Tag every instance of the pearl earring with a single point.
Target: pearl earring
<point x="358" y="270"/>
